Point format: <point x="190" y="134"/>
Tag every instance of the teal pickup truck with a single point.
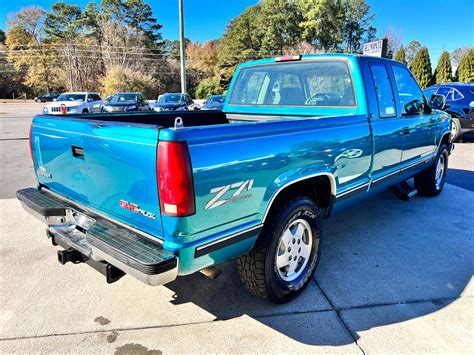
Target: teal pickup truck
<point x="162" y="194"/>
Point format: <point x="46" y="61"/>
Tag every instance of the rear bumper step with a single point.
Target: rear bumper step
<point x="99" y="241"/>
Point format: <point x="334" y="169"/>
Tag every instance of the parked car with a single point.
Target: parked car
<point x="214" y="102"/>
<point x="173" y="102"/>
<point x="161" y="195"/>
<point x="47" y="97"/>
<point x="126" y="101"/>
<point x="74" y="102"/>
<point x="459" y="104"/>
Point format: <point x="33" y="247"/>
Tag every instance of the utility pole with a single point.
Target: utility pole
<point x="182" y="47"/>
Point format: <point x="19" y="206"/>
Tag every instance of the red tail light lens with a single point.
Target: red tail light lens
<point x="31" y="143"/>
<point x="63" y="109"/>
<point x="175" y="179"/>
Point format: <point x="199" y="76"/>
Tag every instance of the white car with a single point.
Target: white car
<point x="74" y="102"/>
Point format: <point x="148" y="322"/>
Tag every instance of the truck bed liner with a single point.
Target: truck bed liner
<point x="161" y="119"/>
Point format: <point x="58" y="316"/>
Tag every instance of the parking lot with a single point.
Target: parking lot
<point x="394" y="277"/>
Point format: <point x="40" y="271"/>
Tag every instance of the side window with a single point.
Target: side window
<point x="457" y="95"/>
<point x="410" y="95"/>
<point x="446" y="92"/>
<point x="383" y="89"/>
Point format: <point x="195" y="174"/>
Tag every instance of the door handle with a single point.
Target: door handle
<point x="77" y="152"/>
<point x="405" y="130"/>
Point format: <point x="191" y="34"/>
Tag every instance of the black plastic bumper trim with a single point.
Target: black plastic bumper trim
<point x="200" y="251"/>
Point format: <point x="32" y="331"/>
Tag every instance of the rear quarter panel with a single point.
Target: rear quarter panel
<point x="267" y="156"/>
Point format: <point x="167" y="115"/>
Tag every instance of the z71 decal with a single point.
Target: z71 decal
<point x="221" y="192"/>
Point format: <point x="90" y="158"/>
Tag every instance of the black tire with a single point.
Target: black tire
<point x="426" y="182"/>
<point x="258" y="268"/>
<point x="85" y="111"/>
<point x="456" y="134"/>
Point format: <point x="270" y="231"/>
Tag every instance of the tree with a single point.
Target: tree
<point x="394" y="41"/>
<point x="240" y="42"/>
<point x="2" y="37"/>
<point x="202" y="57"/>
<point x="28" y="51"/>
<point x="457" y="54"/>
<point x="411" y="50"/>
<point x="323" y="23"/>
<point x="66" y="27"/>
<point x="208" y="87"/>
<point x="400" y="55"/>
<point x="421" y="68"/>
<point x="444" y="71"/>
<point x="124" y="79"/>
<point x="465" y="70"/>
<point x="278" y="25"/>
<point x="136" y="15"/>
<point x="357" y="25"/>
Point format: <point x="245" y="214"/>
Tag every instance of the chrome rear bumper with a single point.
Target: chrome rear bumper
<point x="100" y="240"/>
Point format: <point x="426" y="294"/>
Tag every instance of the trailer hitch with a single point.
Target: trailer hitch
<point x="70" y="255"/>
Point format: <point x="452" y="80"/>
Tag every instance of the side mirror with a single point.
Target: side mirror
<point x="438" y="102"/>
<point x="413" y="107"/>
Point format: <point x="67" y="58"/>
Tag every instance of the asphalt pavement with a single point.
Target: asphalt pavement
<point x="395" y="277"/>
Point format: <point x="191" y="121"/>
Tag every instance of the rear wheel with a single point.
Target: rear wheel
<point x="431" y="181"/>
<point x="286" y="254"/>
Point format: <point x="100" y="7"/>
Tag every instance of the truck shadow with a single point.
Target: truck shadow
<point x="377" y="255"/>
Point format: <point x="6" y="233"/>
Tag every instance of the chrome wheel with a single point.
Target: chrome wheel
<point x="440" y="166"/>
<point x="294" y="250"/>
<point x="454" y="131"/>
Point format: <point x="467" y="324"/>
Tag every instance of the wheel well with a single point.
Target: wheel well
<point x="85" y="110"/>
<point x="446" y="139"/>
<point x="320" y="189"/>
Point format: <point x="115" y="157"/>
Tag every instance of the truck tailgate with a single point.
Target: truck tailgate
<point x="107" y="166"/>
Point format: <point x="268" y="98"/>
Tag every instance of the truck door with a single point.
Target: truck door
<point x="386" y="124"/>
<point x="418" y="122"/>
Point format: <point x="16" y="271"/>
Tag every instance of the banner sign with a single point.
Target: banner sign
<point x="376" y="49"/>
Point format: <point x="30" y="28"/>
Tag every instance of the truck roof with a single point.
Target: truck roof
<point x="290" y="58"/>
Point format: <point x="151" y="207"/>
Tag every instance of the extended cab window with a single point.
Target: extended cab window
<point x="309" y="83"/>
<point x="383" y="89"/>
<point x="410" y="95"/>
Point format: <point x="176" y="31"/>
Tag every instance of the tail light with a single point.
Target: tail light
<point x="30" y="136"/>
<point x="63" y="109"/>
<point x="175" y="179"/>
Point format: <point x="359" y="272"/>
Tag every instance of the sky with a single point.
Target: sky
<point x="438" y="24"/>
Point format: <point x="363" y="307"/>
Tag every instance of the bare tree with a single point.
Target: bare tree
<point x="394" y="41"/>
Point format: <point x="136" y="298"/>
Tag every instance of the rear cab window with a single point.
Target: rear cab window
<point x="312" y="83"/>
<point x="383" y="90"/>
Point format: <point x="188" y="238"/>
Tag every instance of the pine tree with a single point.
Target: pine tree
<point x="400" y="56"/>
<point x="465" y="70"/>
<point x="421" y="68"/>
<point x="444" y="72"/>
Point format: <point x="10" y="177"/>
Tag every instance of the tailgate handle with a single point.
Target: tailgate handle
<point x="77" y="152"/>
